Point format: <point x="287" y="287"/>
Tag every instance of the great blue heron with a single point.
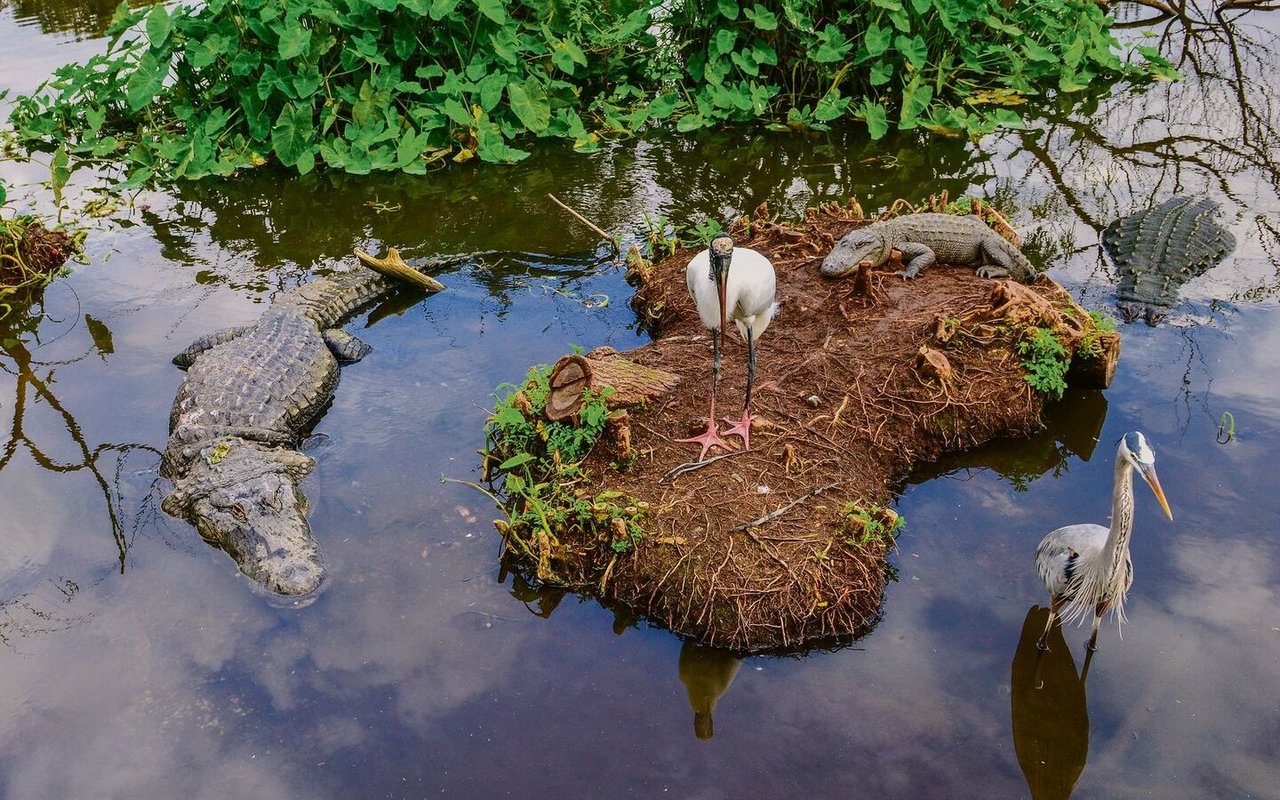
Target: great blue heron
<point x="746" y="295"/>
<point x="1087" y="567"/>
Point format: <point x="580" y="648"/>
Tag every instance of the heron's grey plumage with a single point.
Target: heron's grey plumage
<point x="1086" y="568"/>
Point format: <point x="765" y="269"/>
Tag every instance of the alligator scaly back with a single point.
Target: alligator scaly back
<point x="1159" y="249"/>
<point x="248" y="395"/>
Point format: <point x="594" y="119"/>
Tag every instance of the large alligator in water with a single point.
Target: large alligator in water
<point x="926" y="238"/>
<point x="248" y="395"/>
<point x="1159" y="249"/>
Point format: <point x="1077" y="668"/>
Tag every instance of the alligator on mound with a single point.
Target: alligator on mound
<point x="858" y="381"/>
<point x="248" y="394"/>
<point x="1159" y="249"/>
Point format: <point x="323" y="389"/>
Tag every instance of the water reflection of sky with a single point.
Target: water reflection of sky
<point x="416" y="672"/>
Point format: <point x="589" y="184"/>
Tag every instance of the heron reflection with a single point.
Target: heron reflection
<point x="1050" y="716"/>
<point x="707" y="673"/>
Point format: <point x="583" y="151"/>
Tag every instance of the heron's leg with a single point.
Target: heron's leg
<point x="1099" y="610"/>
<point x="711" y="436"/>
<point x="1054" y="605"/>
<point x="742" y="426"/>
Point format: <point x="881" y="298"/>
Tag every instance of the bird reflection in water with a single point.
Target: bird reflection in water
<point x="1050" y="717"/>
<point x="706" y="673"/>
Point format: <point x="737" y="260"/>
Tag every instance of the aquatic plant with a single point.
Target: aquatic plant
<point x="362" y="85"/>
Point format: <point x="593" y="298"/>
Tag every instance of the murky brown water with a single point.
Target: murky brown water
<point x="137" y="662"/>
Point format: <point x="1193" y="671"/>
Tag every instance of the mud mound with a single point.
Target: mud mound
<point x="858" y="380"/>
<point x="29" y="253"/>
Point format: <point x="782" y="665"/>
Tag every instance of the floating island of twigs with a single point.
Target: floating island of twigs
<point x="859" y="380"/>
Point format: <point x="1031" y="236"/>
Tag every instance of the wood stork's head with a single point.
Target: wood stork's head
<point x="1135" y="450"/>
<point x="721" y="251"/>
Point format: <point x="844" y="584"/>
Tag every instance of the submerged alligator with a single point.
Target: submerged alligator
<point x="1159" y="249"/>
<point x="925" y="238"/>
<point x="248" y="395"/>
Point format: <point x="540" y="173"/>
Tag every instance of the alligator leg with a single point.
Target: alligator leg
<point x="917" y="256"/>
<point x="995" y="262"/>
<point x="346" y="348"/>
<point x="207" y="342"/>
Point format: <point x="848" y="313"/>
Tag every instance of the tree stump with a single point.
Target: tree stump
<point x="632" y="383"/>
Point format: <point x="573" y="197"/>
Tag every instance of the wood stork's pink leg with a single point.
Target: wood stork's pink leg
<point x="742" y="426"/>
<point x="711" y="437"/>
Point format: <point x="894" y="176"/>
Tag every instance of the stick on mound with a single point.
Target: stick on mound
<point x="859" y="380"/>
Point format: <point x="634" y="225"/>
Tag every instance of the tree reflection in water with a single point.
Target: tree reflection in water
<point x="33" y="380"/>
<point x="1213" y="133"/>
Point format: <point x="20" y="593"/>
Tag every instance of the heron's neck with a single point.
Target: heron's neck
<point x="1117" y="546"/>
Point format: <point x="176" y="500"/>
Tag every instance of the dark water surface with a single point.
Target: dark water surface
<point x="136" y="662"/>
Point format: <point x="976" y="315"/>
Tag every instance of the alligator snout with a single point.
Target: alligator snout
<point x="261" y="523"/>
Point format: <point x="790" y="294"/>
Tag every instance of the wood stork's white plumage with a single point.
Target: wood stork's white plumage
<point x="1086" y="568"/>
<point x="737" y="283"/>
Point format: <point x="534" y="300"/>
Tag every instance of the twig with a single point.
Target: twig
<point x="586" y="222"/>
<point x="772" y="515"/>
<point x="693" y="466"/>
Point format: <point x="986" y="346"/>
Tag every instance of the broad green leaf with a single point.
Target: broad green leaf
<point x="529" y="104"/>
<point x="59" y="174"/>
<point x="663" y="105"/>
<point x="723" y="41"/>
<point x="914" y="49"/>
<point x="291" y="136"/>
<point x="727" y="8"/>
<point x="491" y="90"/>
<point x="442" y="8"/>
<point x="876" y="118"/>
<point x="878" y="40"/>
<point x="495" y="10"/>
<point x="921" y="6"/>
<point x="158" y="26"/>
<point x="458" y="112"/>
<point x="293" y="41"/>
<point x="763" y="18"/>
<point x="145" y="81"/>
<point x="881" y="72"/>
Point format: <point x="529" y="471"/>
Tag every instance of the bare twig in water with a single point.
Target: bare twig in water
<point x="586" y="222"/>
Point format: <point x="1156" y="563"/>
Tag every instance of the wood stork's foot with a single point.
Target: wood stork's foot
<point x="741" y="427"/>
<point x="708" y="439"/>
<point x="1091" y="646"/>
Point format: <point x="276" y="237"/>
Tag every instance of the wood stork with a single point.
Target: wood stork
<point x="1086" y="568"/>
<point x="746" y="294"/>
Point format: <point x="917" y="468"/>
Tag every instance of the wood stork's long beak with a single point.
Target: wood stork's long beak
<point x="720" y="267"/>
<point x="1148" y="473"/>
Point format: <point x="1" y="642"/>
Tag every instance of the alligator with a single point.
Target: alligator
<point x="248" y="396"/>
<point x="925" y="238"/>
<point x="1159" y="249"/>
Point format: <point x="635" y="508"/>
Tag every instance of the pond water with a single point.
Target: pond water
<point x="135" y="661"/>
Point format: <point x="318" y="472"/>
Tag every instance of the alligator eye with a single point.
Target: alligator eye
<point x="240" y="512"/>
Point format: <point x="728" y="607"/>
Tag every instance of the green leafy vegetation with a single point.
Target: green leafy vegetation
<point x="865" y="525"/>
<point x="541" y="461"/>
<point x="189" y="91"/>
<point x="1045" y="360"/>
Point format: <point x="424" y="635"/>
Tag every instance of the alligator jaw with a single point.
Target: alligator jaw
<point x="260" y="523"/>
<point x="860" y="246"/>
<point x="243" y="498"/>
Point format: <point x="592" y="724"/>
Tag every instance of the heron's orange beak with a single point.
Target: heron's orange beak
<point x="1149" y="475"/>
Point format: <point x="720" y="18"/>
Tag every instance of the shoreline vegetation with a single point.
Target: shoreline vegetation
<point x="186" y="92"/>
